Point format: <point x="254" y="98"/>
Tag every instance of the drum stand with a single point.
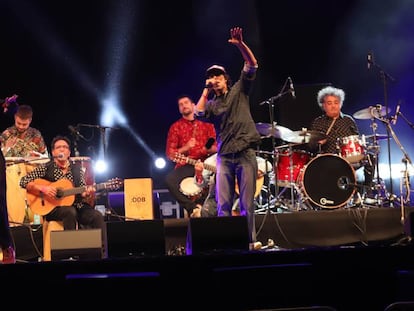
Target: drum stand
<point x="295" y="202"/>
<point x="265" y="205"/>
<point x="377" y="184"/>
<point x="391" y="198"/>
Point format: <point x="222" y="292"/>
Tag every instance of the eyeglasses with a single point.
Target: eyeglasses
<point x="62" y="146"/>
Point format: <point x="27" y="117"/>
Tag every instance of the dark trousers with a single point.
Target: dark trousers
<point x="173" y="180"/>
<point x="86" y="217"/>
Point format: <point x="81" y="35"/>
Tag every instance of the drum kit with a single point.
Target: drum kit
<point x="302" y="180"/>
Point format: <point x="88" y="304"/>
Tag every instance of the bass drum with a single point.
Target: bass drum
<point x="328" y="181"/>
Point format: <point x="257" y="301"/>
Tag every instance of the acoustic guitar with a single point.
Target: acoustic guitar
<point x="42" y="205"/>
<point x="180" y="158"/>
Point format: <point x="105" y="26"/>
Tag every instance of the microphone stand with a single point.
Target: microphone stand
<point x="406" y="178"/>
<point x="270" y="102"/>
<point x="406" y="156"/>
<point x="385" y="77"/>
<point x="272" y="99"/>
<point x="75" y="144"/>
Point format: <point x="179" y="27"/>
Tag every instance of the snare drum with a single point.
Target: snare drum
<point x="351" y="148"/>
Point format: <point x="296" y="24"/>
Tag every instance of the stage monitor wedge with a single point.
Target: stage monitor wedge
<point x="217" y="234"/>
<point x="84" y="244"/>
<point x="126" y="239"/>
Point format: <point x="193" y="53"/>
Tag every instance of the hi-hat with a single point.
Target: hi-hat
<point x="376" y="136"/>
<point x="304" y="137"/>
<point x="371" y="112"/>
<point x="278" y="131"/>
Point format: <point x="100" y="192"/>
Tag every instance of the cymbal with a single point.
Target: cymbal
<point x="371" y="112"/>
<point x="304" y="137"/>
<point x="376" y="136"/>
<point x="278" y="131"/>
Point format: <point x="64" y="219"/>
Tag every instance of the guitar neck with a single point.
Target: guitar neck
<point x="208" y="167"/>
<point x="77" y="190"/>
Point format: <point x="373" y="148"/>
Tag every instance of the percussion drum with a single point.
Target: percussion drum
<point x="32" y="163"/>
<point x="351" y="148"/>
<point x="189" y="188"/>
<point x="87" y="168"/>
<point x="16" y="196"/>
<point x="328" y="181"/>
<point x="290" y="165"/>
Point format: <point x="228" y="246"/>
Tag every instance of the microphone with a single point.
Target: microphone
<point x="291" y="88"/>
<point x="75" y="132"/>
<point x="209" y="143"/>
<point x="209" y="85"/>
<point x="59" y="156"/>
<point x="370" y="60"/>
<point x="395" y="117"/>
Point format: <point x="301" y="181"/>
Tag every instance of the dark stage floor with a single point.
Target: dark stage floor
<point x="349" y="259"/>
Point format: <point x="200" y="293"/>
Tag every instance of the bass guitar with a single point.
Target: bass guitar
<point x="42" y="205"/>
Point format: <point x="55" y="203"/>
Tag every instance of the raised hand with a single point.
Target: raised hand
<point x="236" y="35"/>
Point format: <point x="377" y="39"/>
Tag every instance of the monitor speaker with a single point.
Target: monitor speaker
<point x="76" y="244"/>
<point x="135" y="238"/>
<point x="217" y="234"/>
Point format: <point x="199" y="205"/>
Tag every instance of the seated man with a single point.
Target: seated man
<point x="44" y="181"/>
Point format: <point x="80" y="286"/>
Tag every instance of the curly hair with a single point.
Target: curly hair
<point x="330" y="90"/>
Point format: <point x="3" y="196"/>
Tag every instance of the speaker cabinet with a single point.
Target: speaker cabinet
<point x="135" y="238"/>
<point x="76" y="244"/>
<point x="217" y="234"/>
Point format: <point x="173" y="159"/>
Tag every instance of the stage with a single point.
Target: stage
<point x="343" y="258"/>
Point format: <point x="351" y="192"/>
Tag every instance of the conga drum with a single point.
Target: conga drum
<point x="87" y="168"/>
<point x="30" y="164"/>
<point x="16" y="195"/>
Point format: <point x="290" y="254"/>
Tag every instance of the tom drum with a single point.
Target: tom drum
<point x="289" y="165"/>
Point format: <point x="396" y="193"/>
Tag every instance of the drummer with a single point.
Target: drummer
<point x="22" y="140"/>
<point x="334" y="125"/>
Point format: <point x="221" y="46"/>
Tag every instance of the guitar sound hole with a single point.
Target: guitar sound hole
<point x="59" y="193"/>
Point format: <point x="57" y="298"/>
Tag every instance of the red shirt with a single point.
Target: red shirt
<point x="181" y="131"/>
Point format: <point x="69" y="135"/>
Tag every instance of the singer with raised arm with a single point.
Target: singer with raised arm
<point x="188" y="139"/>
<point x="22" y="140"/>
<point x="43" y="183"/>
<point x="227" y="107"/>
<point x="338" y="129"/>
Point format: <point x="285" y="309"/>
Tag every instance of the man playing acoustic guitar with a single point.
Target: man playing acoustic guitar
<point x="46" y="186"/>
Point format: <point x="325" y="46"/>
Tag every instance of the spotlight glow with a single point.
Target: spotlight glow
<point x="100" y="167"/>
<point x="160" y="163"/>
